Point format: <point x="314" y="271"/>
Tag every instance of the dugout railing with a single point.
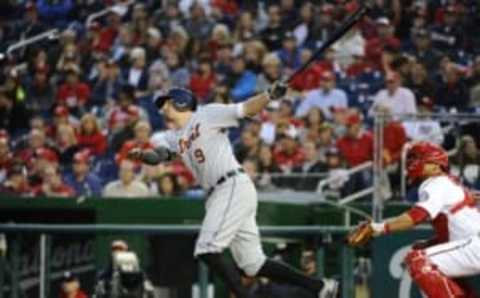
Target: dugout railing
<point x="46" y="231"/>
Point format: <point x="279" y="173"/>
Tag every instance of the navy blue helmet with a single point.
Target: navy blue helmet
<point x="182" y="99"/>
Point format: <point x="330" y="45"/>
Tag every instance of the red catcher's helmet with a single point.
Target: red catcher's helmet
<point x="421" y="153"/>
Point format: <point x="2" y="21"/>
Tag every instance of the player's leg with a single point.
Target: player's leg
<point x="224" y="217"/>
<point x="435" y="268"/>
<point x="248" y="254"/>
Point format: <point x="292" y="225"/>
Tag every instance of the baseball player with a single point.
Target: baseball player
<point x="455" y="251"/>
<point x="200" y="138"/>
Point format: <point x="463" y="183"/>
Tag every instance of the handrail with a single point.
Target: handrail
<point x="25" y="42"/>
<point x="348" y="172"/>
<point x="104" y="11"/>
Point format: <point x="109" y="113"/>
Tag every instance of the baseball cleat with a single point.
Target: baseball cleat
<point x="330" y="288"/>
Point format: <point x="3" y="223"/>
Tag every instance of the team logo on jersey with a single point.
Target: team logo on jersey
<point x="186" y="143"/>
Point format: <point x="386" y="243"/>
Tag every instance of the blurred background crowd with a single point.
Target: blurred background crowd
<point x="73" y="105"/>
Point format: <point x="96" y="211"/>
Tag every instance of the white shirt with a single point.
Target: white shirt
<point x="402" y="101"/>
<point x="203" y="143"/>
<point x="117" y="189"/>
<point x="438" y="196"/>
<point x="425" y="130"/>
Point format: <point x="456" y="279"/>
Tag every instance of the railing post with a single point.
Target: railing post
<point x="2" y="274"/>
<point x="15" y="266"/>
<point x="203" y="279"/>
<point x="348" y="285"/>
<point x="45" y="251"/>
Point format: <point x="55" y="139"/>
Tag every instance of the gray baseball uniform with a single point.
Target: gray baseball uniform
<point x="231" y="208"/>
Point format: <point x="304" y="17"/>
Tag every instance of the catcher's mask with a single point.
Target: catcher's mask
<point x="421" y="153"/>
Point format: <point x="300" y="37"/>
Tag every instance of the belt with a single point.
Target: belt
<point x="224" y="178"/>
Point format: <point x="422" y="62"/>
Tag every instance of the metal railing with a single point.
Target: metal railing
<point x="46" y="230"/>
<point x="49" y="34"/>
<point x="105" y="11"/>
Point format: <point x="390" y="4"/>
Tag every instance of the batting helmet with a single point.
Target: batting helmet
<point x="182" y="99"/>
<point x="424" y="152"/>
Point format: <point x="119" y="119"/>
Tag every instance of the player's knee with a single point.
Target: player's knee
<point x="252" y="269"/>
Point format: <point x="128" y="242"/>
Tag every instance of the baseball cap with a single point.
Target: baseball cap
<point x="69" y="276"/>
<point x="119" y="245"/>
<point x="383" y="21"/>
<point x="353" y="118"/>
<point x="82" y="156"/>
<point x="47" y="154"/>
<point x="61" y="111"/>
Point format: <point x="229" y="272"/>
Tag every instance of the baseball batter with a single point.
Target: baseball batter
<point x="455" y="251"/>
<point x="200" y="138"/>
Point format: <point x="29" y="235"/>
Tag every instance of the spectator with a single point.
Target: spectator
<point x="422" y="87"/>
<point x="288" y="153"/>
<point x="474" y="83"/>
<point x="53" y="185"/>
<point x="250" y="165"/>
<point x="312" y="165"/>
<point x="248" y="146"/>
<point x="153" y="45"/>
<point x="398" y="99"/>
<point x="74" y="93"/>
<point x="137" y="75"/>
<point x="66" y="143"/>
<point x="384" y="39"/>
<point x="452" y="92"/>
<point x="267" y="166"/>
<point x="40" y="91"/>
<point x="272" y="71"/>
<point x="14" y="116"/>
<point x="303" y="32"/>
<point x="245" y="27"/>
<point x="424" y="128"/>
<point x="127" y="186"/>
<point x="109" y="80"/>
<point x="70" y="58"/>
<point x="447" y="37"/>
<point x="253" y="52"/>
<point x="349" y="48"/>
<point x="198" y="24"/>
<point x="71" y="287"/>
<point x="356" y="146"/>
<point x="31" y="25"/>
<point x="203" y="80"/>
<point x="272" y="36"/>
<point x="82" y="180"/>
<point x="394" y="137"/>
<point x="16" y="182"/>
<point x="325" y="98"/>
<point x="6" y="157"/>
<point x="289" y="54"/>
<point x="167" y="185"/>
<point x="142" y="131"/>
<point x="467" y="162"/>
<point x="313" y="121"/>
<point x="242" y="81"/>
<point x="179" y="74"/>
<point x="423" y="51"/>
<point x="36" y="140"/>
<point x="90" y="136"/>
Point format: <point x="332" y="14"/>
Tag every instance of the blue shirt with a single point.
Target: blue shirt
<point x="89" y="187"/>
<point x="318" y="98"/>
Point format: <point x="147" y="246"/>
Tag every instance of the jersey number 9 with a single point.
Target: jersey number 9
<point x="199" y="156"/>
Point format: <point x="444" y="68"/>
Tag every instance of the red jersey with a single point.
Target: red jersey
<point x="289" y="160"/>
<point x="394" y="137"/>
<point x="96" y="143"/>
<point x="73" y="95"/>
<point x="356" y="150"/>
<point x="202" y="86"/>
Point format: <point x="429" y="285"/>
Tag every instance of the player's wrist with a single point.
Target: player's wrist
<point x="380" y="228"/>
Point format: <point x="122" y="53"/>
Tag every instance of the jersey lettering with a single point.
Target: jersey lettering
<point x="185" y="144"/>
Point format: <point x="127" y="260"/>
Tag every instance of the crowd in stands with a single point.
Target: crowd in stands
<point x="83" y="100"/>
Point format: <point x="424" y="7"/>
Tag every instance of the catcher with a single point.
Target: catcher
<point x="455" y="251"/>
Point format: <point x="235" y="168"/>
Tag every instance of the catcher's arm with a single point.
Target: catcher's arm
<point x="151" y="157"/>
<point x="406" y="221"/>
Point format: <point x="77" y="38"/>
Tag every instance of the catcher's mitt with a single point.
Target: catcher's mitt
<point x="360" y="235"/>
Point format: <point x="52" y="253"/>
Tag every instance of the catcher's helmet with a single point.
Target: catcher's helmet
<point x="424" y="152"/>
<point x="182" y="99"/>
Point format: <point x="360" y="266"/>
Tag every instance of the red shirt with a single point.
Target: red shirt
<point x="289" y="160"/>
<point x="394" y="137"/>
<point x="107" y="37"/>
<point x="62" y="190"/>
<point x="96" y="143"/>
<point x="375" y="46"/>
<point x="80" y="294"/>
<point x="202" y="86"/>
<point x="73" y="95"/>
<point x="356" y="150"/>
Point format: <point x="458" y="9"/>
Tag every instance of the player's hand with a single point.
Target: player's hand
<point x="361" y="235"/>
<point x="135" y="154"/>
<point x="277" y="90"/>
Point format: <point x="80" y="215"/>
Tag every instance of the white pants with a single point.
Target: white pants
<point x="230" y="221"/>
<point x="457" y="258"/>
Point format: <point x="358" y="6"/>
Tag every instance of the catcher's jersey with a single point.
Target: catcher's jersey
<point x="452" y="210"/>
<point x="203" y="143"/>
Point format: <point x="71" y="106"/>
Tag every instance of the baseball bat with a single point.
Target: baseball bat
<point x="339" y="33"/>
